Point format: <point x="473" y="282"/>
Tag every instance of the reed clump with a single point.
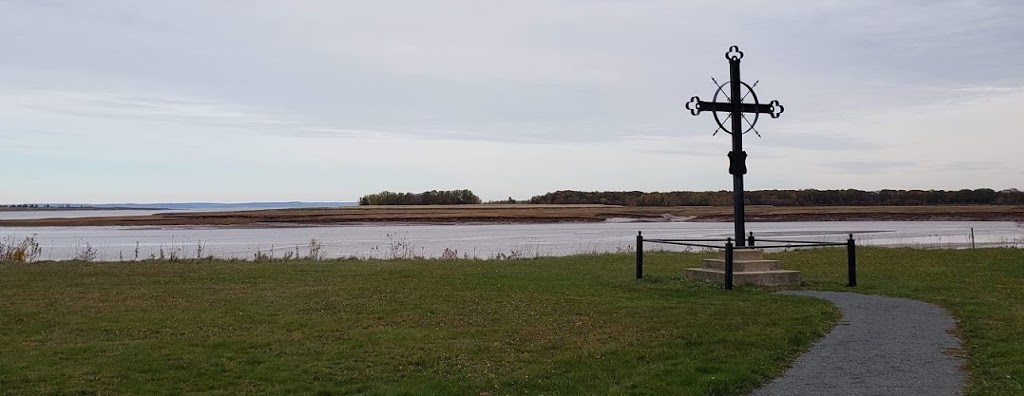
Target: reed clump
<point x="25" y="251"/>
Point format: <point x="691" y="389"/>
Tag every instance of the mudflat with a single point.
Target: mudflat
<point x="524" y="213"/>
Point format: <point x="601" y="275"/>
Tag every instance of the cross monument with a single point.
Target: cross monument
<point x="735" y="108"/>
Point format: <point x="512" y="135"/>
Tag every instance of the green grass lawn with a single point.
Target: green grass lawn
<point x="983" y="289"/>
<point x="575" y="325"/>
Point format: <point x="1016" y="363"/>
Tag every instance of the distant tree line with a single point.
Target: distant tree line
<point x="433" y="197"/>
<point x="981" y="196"/>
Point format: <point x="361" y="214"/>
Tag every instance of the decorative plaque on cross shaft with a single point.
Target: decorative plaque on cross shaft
<point x="735" y="108"/>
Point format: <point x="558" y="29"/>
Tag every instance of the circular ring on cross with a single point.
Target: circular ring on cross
<point x="749" y="92"/>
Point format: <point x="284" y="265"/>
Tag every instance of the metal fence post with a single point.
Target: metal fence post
<point x="750" y="239"/>
<point x="728" y="264"/>
<point x="851" y="260"/>
<point x="639" y="254"/>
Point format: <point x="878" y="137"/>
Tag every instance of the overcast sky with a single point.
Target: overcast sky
<point x="154" y="101"/>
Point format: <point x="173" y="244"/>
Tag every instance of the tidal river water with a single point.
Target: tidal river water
<point x="480" y="240"/>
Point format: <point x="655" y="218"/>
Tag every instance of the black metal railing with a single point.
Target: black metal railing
<point x="752" y="243"/>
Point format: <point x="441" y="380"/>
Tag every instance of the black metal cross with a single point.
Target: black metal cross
<point x="736" y="107"/>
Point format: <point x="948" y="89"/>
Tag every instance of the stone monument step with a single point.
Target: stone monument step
<point x="743" y="254"/>
<point x="760" y="278"/>
<point x="742" y="265"/>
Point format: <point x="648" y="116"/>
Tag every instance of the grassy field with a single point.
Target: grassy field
<point x="573" y="325"/>
<point x="492" y="213"/>
<point x="576" y="325"/>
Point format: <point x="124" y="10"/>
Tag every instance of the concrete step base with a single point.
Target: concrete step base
<point x="760" y="278"/>
<point x="742" y="265"/>
<point x="743" y="254"/>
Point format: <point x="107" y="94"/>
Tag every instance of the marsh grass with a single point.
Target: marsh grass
<point x="84" y="251"/>
<point x="568" y="325"/>
<point x="541" y="214"/>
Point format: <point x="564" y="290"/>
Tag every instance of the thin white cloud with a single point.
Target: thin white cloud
<point x="120" y="106"/>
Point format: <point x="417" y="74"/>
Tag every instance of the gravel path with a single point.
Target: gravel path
<point x="882" y="346"/>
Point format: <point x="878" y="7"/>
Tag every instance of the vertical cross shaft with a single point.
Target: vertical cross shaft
<point x="737" y="156"/>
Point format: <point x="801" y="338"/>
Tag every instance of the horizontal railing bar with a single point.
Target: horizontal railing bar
<point x="744" y="247"/>
<point x="688" y="240"/>
<point x="790" y="241"/>
<point x="790" y="246"/>
<point x="787" y="244"/>
<point x="685" y="244"/>
<point x="724" y="240"/>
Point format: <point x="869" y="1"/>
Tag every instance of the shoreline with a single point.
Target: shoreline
<point x="72" y="208"/>
<point x="534" y="214"/>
